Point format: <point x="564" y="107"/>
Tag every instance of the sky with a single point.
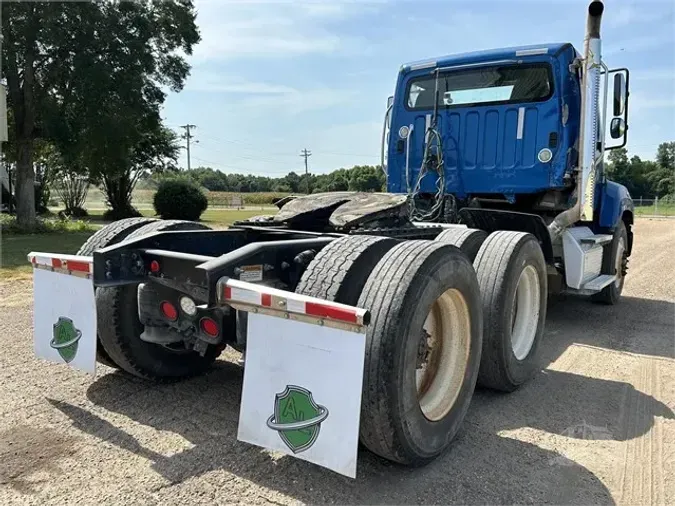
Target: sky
<point x="270" y="78"/>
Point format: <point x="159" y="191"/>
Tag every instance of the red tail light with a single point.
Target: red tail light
<point x="209" y="327"/>
<point x="169" y="310"/>
<point x="154" y="266"/>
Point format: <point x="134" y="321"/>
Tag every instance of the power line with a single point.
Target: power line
<point x="187" y="138"/>
<point x="306" y="154"/>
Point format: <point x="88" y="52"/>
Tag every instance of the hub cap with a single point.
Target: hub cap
<point x="444" y="354"/>
<point x="525" y="315"/>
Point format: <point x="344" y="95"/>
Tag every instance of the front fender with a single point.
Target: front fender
<point x="614" y="202"/>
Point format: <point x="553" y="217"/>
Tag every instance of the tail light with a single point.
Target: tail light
<point x="209" y="327"/>
<point x="169" y="310"/>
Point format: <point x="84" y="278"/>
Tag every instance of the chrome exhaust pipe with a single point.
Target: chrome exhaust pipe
<point x="588" y="134"/>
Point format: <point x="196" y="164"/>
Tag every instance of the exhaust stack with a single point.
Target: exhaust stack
<point x="588" y="135"/>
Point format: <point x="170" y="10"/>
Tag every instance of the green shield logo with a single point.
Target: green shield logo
<point x="65" y="338"/>
<point x="297" y="418"/>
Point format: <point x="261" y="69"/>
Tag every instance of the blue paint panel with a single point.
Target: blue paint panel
<point x="509" y="138"/>
<point x="528" y="146"/>
<point x="490" y="140"/>
<point x="471" y="140"/>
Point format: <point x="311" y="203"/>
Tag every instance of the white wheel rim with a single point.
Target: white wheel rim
<point x="440" y="376"/>
<point x="620" y="250"/>
<point x="525" y="315"/>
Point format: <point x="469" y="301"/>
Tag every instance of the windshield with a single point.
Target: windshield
<point x="481" y="86"/>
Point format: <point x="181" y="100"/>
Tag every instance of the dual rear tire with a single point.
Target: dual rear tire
<point x="423" y="343"/>
<point x="512" y="277"/>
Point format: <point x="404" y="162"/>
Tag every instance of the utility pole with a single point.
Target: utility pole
<point x="188" y="137"/>
<point x="306" y="154"/>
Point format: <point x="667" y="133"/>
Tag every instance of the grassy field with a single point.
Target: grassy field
<point x="663" y="209"/>
<point x="14" y="248"/>
<point x="143" y="198"/>
<point x="217" y="218"/>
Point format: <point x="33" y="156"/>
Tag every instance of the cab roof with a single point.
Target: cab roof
<point x="488" y="55"/>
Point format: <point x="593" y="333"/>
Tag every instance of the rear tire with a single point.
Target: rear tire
<point x="339" y="270"/>
<point x="107" y="236"/>
<point x="120" y="327"/>
<point x="512" y="276"/>
<point x="614" y="261"/>
<point x="469" y="240"/>
<point x="415" y="395"/>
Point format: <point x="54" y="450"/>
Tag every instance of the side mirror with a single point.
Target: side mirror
<point x="616" y="116"/>
<point x="617" y="128"/>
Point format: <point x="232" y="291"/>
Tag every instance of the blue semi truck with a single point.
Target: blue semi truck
<point x="496" y="197"/>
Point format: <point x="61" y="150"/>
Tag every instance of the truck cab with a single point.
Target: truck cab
<point x="500" y="129"/>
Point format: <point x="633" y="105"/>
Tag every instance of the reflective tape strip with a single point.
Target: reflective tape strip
<point x="62" y="263"/>
<point x="263" y="299"/>
<point x="532" y="52"/>
<point x="521" y="122"/>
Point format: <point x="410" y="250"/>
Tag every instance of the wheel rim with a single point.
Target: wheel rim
<point x="446" y="342"/>
<point x="620" y="251"/>
<point x="525" y="315"/>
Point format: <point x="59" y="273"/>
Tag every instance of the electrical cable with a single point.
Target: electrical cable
<point x="432" y="139"/>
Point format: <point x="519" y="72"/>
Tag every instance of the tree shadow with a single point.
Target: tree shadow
<point x="635" y="325"/>
<point x="481" y="467"/>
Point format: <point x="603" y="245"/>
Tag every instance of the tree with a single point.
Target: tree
<point x="366" y="178"/>
<point x="78" y="71"/>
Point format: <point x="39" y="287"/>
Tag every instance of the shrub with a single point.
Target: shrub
<point x="120" y="214"/>
<point x="76" y="212"/>
<point x="179" y="199"/>
<point x="9" y="226"/>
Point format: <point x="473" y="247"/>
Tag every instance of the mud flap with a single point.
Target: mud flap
<point x="64" y="312"/>
<point x="302" y="391"/>
<point x="303" y="375"/>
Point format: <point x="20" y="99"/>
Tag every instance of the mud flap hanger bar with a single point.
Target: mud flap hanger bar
<point x="270" y="301"/>
<point x="239" y="295"/>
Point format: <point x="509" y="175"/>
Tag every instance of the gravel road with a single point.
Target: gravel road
<point x="596" y="425"/>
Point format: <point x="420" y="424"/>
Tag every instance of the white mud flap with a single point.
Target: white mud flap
<point x="303" y="375"/>
<point x="64" y="311"/>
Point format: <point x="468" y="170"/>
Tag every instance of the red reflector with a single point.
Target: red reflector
<point x="56" y="263"/>
<point x="77" y="266"/>
<point x="335" y="313"/>
<point x="228" y="293"/>
<point x="154" y="266"/>
<point x="266" y="300"/>
<point x="169" y="310"/>
<point x="209" y="327"/>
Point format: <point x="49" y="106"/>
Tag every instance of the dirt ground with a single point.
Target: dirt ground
<point x="595" y="426"/>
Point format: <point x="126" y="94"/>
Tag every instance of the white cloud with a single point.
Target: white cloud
<point x="297" y="101"/>
<point x="204" y="80"/>
<point x="272" y="29"/>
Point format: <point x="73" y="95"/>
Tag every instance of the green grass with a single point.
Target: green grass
<point x="665" y="209"/>
<point x="68" y="237"/>
<point x="212" y="217"/>
<point x="14" y="248"/>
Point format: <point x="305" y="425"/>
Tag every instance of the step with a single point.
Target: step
<point x="597" y="284"/>
<point x="599" y="239"/>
